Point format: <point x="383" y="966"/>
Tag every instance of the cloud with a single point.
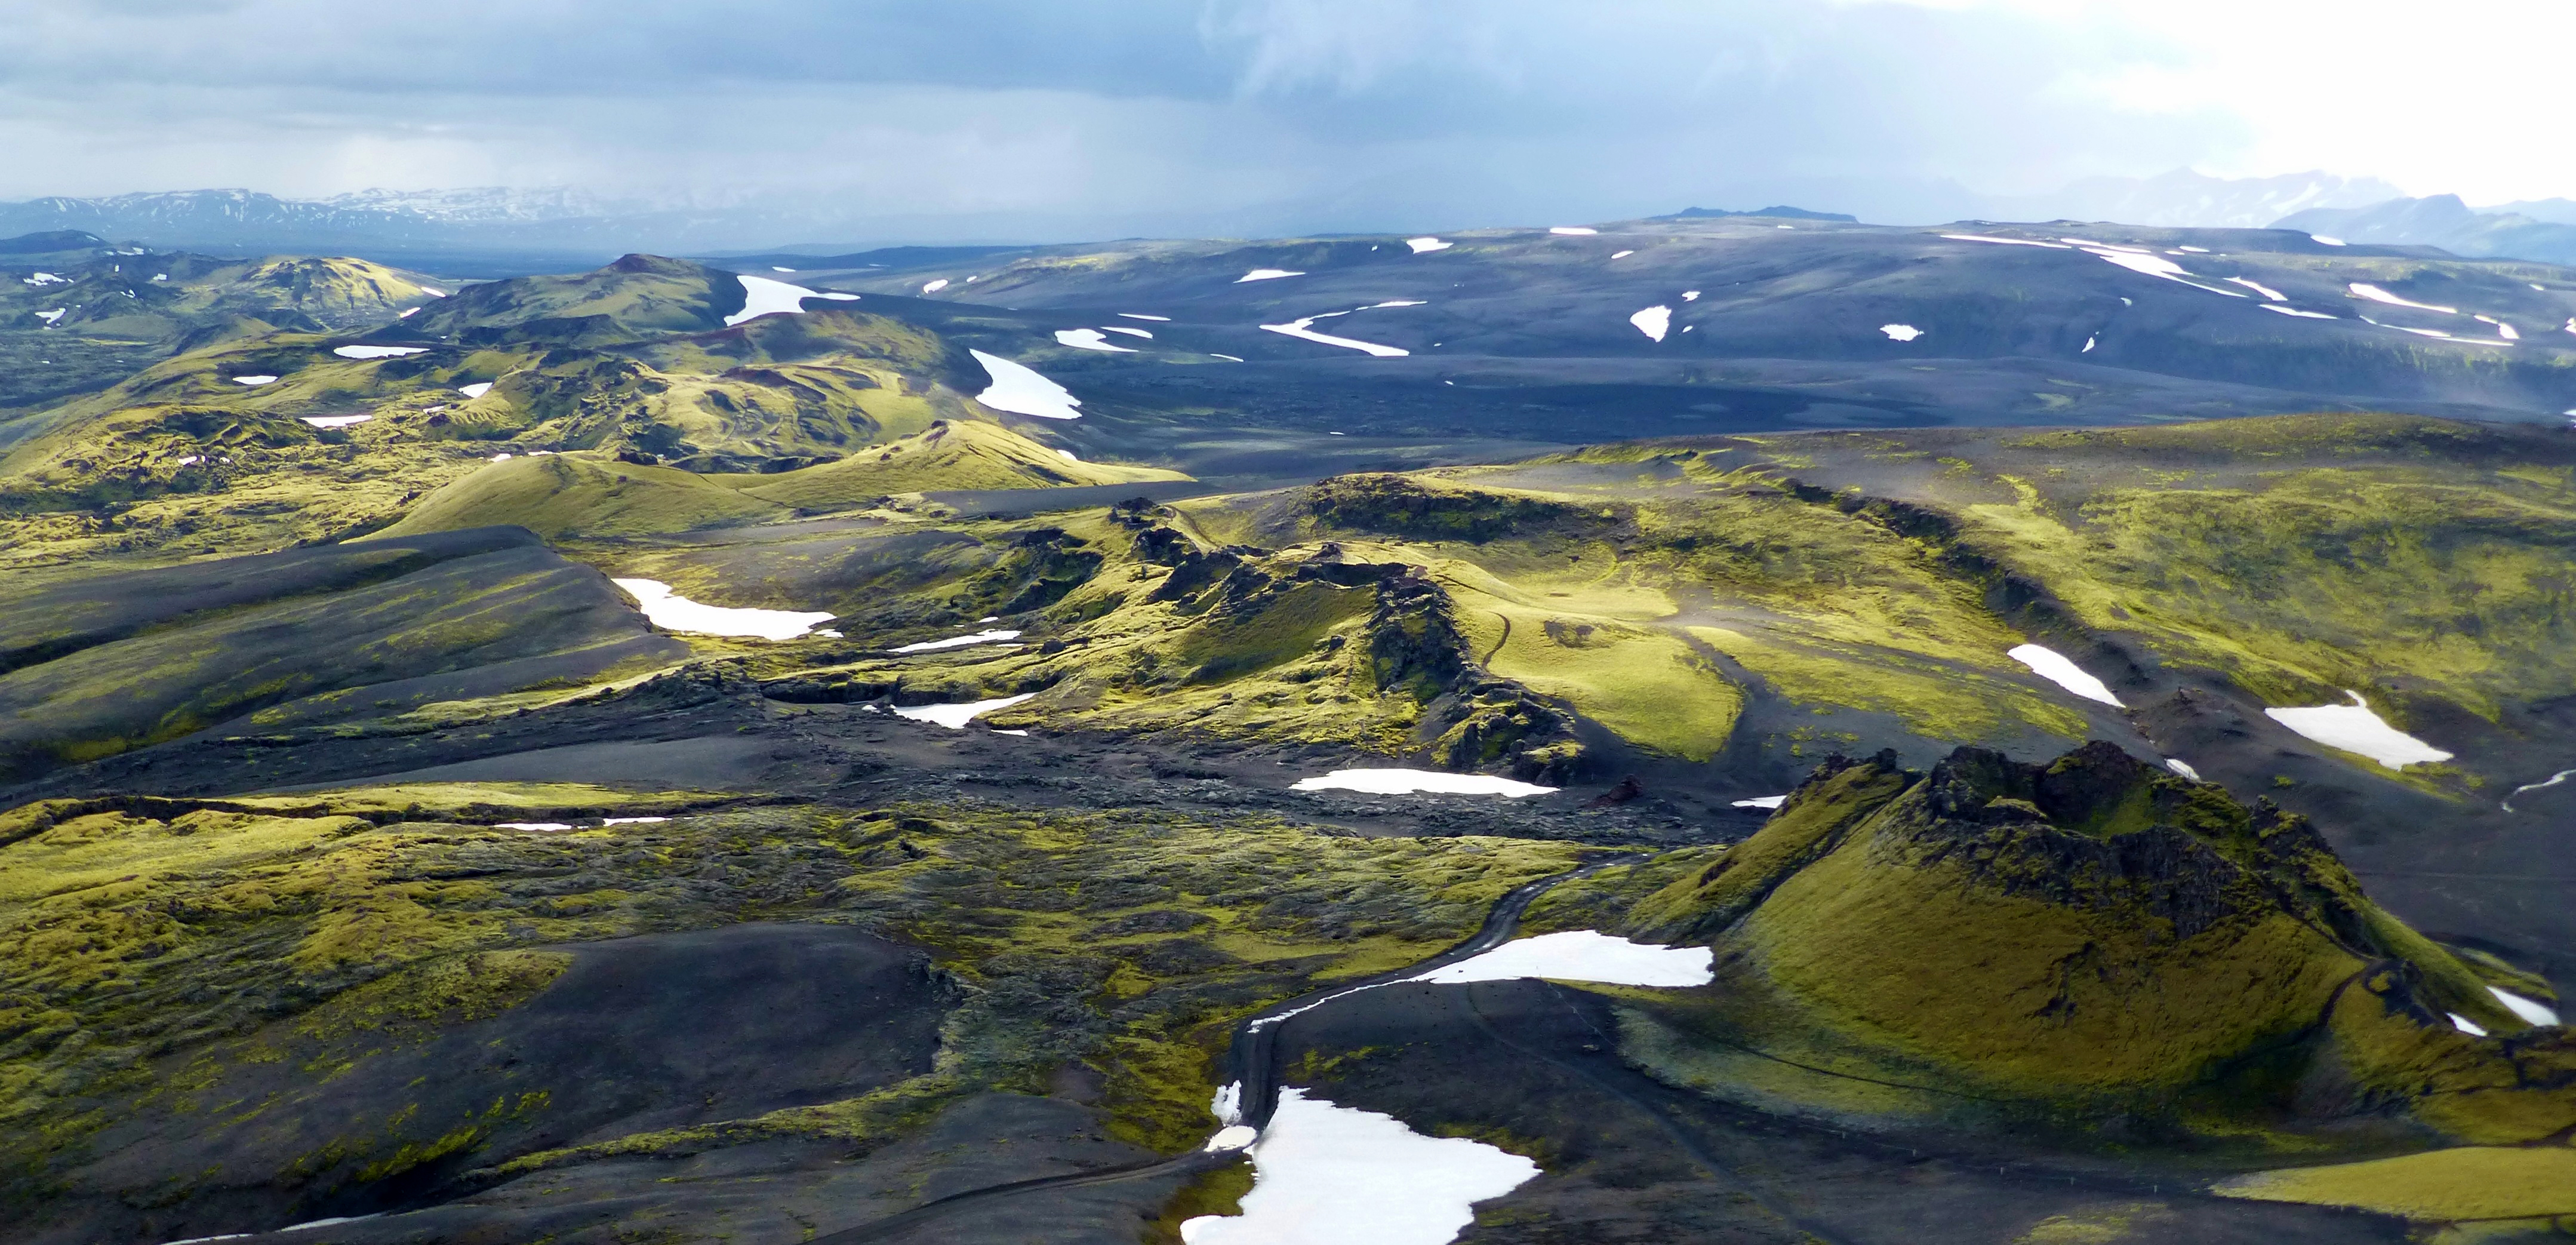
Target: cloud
<point x="1066" y="120"/>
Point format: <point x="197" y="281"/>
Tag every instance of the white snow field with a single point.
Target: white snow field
<point x="254" y="380"/>
<point x="1394" y="781"/>
<point x="475" y="390"/>
<point x="989" y="636"/>
<point x="1901" y="332"/>
<point x="1654" y="321"/>
<point x="1978" y="237"/>
<point x="1021" y="391"/>
<point x="956" y="716"/>
<point x="2378" y="295"/>
<point x="1090" y="339"/>
<point x="1425" y="246"/>
<point x="1266" y="274"/>
<point x="763" y="296"/>
<point x="1333" y="1175"/>
<point x="2532" y="1011"/>
<point x="334" y="421"/>
<point x="378" y="352"/>
<point x="1304" y="330"/>
<point x="1573" y="231"/>
<point x="1581" y="955"/>
<point x="2354" y="728"/>
<point x="674" y="612"/>
<point x="2055" y="667"/>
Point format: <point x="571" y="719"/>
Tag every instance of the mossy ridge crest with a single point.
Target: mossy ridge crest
<point x="2091" y="937"/>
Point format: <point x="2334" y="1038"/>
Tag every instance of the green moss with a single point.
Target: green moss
<point x="560" y="496"/>
<point x="2470" y="1182"/>
<point x="1218" y="1191"/>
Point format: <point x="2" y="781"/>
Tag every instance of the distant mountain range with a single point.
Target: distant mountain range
<point x="2185" y="199"/>
<point x="464" y="230"/>
<point x="2544" y="230"/>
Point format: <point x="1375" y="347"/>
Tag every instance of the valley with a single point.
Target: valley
<point x="1000" y="744"/>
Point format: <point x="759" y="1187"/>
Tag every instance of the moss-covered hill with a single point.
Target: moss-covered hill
<point x="2086" y="940"/>
<point x="252" y="444"/>
<point x="79" y="321"/>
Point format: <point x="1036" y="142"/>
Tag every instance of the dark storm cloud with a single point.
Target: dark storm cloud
<point x="1037" y="119"/>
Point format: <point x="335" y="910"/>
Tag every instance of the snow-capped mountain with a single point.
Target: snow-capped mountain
<point x="2187" y="199"/>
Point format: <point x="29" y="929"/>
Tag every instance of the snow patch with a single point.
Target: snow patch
<point x="2466" y="1025"/>
<point x="1089" y="339"/>
<point x="334" y="421"/>
<point x="1392" y="781"/>
<point x="1425" y="246"/>
<point x="2089" y="343"/>
<point x="254" y="380"/>
<point x="958" y="641"/>
<point x="1021" y="391"/>
<point x="1304" y="330"/>
<point x="1232" y="1137"/>
<point x="1573" y="231"/>
<point x="1138" y="315"/>
<point x="1621" y="254"/>
<point x="1901" y="332"/>
<point x="2154" y="266"/>
<point x="44" y="279"/>
<point x="1654" y="321"/>
<point x="2260" y="288"/>
<point x="1266" y="274"/>
<point x="2054" y="666"/>
<point x="2293" y="311"/>
<point x="673" y="612"/>
<point x="2182" y="768"/>
<point x="933" y="287"/>
<point x="632" y="821"/>
<point x="776" y="268"/>
<point x="1979" y="237"/>
<point x="1131" y="332"/>
<point x="2507" y="331"/>
<point x="1761" y="801"/>
<point x="762" y="296"/>
<point x="2554" y="779"/>
<point x="49" y="317"/>
<point x="476" y="390"/>
<point x="531" y="825"/>
<point x="2354" y="728"/>
<point x="378" y="352"/>
<point x="955" y="717"/>
<point x="2322" y="240"/>
<point x="1331" y="1175"/>
<point x="2531" y="1011"/>
<point x="2378" y="295"/>
<point x="1581" y="955"/>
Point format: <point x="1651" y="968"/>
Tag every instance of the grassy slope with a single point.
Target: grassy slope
<point x="2143" y="948"/>
<point x="560" y="496"/>
<point x="946" y="455"/>
<point x="1126" y="940"/>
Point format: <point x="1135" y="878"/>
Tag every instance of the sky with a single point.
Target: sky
<point x="1067" y="118"/>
